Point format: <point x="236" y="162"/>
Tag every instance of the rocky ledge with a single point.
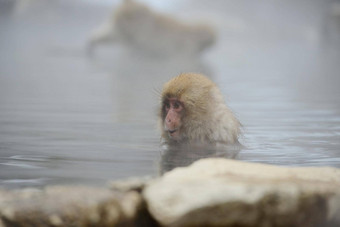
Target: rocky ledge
<point x="210" y="192"/>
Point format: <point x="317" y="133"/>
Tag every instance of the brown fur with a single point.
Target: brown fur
<point x="206" y="118"/>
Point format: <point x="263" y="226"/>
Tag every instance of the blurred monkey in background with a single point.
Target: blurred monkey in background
<point x="152" y="33"/>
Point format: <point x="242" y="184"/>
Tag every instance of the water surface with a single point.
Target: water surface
<point x="66" y="118"/>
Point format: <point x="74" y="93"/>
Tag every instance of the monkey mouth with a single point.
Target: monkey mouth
<point x="172" y="131"/>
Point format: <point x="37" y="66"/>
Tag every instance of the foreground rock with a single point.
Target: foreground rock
<point x="211" y="192"/>
<point x="220" y="192"/>
<point x="71" y="206"/>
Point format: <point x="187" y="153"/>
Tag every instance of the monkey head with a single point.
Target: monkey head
<point x="193" y="110"/>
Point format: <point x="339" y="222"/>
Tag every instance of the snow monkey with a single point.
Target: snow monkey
<point x="140" y="28"/>
<point x="193" y="111"/>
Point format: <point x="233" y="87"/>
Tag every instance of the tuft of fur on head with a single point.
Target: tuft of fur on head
<point x="206" y="119"/>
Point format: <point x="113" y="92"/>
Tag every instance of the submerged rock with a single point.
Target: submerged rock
<point x="130" y="184"/>
<point x="220" y="192"/>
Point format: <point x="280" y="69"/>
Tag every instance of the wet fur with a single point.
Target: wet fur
<point x="207" y="119"/>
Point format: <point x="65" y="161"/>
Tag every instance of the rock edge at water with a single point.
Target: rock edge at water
<point x="211" y="192"/>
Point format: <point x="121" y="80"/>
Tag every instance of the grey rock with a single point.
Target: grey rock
<point x="210" y="192"/>
<point x="221" y="192"/>
<point x="69" y="206"/>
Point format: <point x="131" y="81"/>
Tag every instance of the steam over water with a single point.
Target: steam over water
<point x="69" y="118"/>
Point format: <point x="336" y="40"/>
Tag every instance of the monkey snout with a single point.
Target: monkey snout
<point x="170" y="125"/>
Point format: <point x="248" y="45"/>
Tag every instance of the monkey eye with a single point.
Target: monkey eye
<point x="167" y="105"/>
<point x="177" y="105"/>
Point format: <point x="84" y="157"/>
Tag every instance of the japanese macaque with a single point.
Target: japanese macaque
<point x="193" y="111"/>
<point x="138" y="27"/>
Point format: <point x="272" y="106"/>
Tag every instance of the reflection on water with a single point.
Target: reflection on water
<point x="183" y="155"/>
<point x="66" y="118"/>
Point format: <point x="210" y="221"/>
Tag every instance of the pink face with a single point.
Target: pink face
<point x="173" y="113"/>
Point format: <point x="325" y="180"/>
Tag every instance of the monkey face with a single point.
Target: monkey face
<point x="173" y="112"/>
